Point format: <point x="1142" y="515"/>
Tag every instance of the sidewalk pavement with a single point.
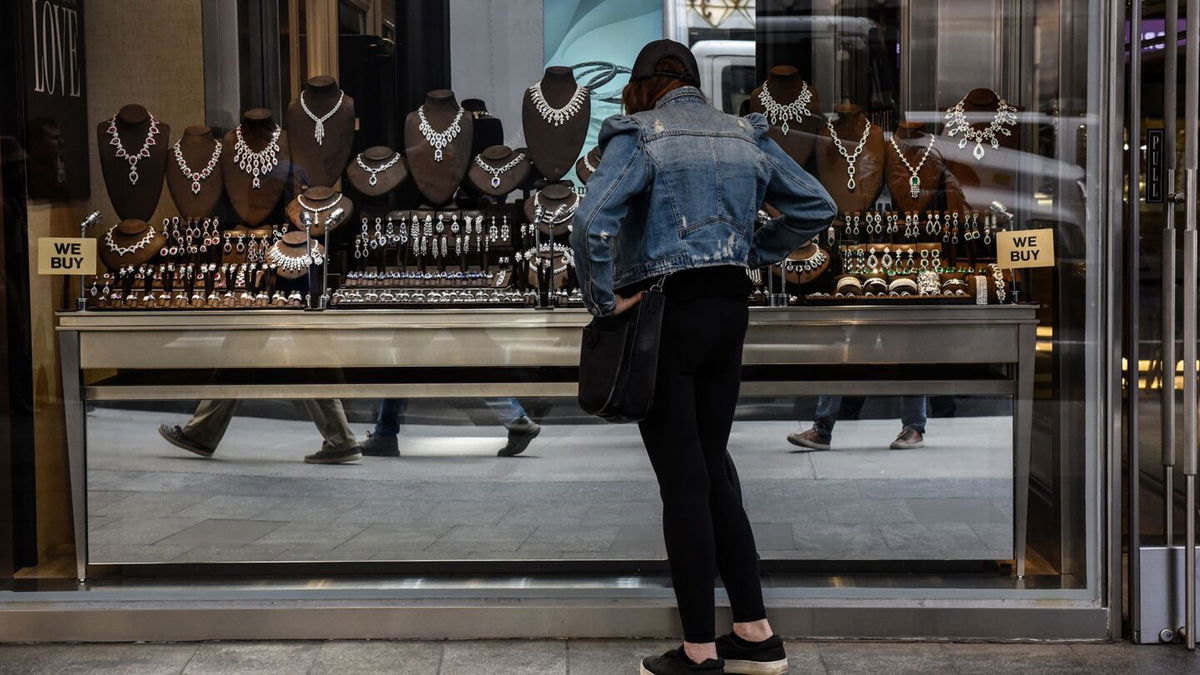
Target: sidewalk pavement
<point x="581" y="657"/>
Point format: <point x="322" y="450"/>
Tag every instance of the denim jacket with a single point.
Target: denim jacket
<point x="679" y="187"/>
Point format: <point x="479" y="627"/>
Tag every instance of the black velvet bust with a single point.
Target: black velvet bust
<point x="133" y="199"/>
<point x="253" y="205"/>
<point x="320" y="163"/>
<point x="197" y="147"/>
<point x="438" y="180"/>
<point x="497" y="157"/>
<point x="554" y="148"/>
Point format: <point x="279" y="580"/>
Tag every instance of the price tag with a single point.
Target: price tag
<point x="65" y="255"/>
<point x="1025" y="248"/>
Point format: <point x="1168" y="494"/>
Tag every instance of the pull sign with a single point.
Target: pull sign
<point x="1025" y="248"/>
<point x="61" y="255"/>
<point x="1154" y="166"/>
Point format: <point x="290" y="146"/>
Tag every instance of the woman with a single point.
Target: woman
<point x="677" y="195"/>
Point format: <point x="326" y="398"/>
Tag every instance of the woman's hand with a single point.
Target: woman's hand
<point x="625" y="304"/>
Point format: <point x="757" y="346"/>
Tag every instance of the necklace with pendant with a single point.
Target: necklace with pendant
<point x="373" y="172"/>
<point x="317" y="209"/>
<point x="132" y="248"/>
<point x="256" y="163"/>
<point x="956" y="124"/>
<point x="496" y="173"/>
<point x="122" y="153"/>
<point x="914" y="181"/>
<point x="777" y="112"/>
<point x="200" y="176"/>
<point x="558" y="116"/>
<point x="439" y="139"/>
<point x="319" y="130"/>
<point x="851" y="158"/>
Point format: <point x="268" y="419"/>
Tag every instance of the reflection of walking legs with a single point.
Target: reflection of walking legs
<point x="912" y="416"/>
<point x="821" y="433"/>
<point x="521" y="429"/>
<point x="383" y="440"/>
<point x="204" y="431"/>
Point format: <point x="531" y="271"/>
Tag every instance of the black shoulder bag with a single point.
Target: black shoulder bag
<point x="618" y="361"/>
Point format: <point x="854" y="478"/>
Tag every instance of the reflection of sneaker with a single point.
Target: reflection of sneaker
<point x="743" y="657"/>
<point x="174" y="436"/>
<point x="812" y="439"/>
<point x="520" y="434"/>
<point x="675" y="662"/>
<point x="909" y="438"/>
<point x="334" y="456"/>
<point x="380" y="446"/>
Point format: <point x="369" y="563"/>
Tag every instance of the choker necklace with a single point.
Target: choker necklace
<point x="319" y="130"/>
<point x="122" y="153"/>
<point x="850" y="158"/>
<point x="557" y="116"/>
<point x="587" y="164"/>
<point x="258" y="163"/>
<point x="374" y="173"/>
<point x="317" y="209"/>
<point x="496" y="173"/>
<point x="132" y="248"/>
<point x="292" y="263"/>
<point x="200" y="176"/>
<point x="795" y="111"/>
<point x="439" y="139"/>
<point x="806" y="265"/>
<point x="914" y="181"/>
<point x="956" y="123"/>
<point x="558" y="216"/>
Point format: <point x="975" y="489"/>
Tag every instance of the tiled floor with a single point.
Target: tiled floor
<point x="580" y="491"/>
<point x="581" y="657"/>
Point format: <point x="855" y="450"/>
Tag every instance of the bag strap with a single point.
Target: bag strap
<point x="658" y="285"/>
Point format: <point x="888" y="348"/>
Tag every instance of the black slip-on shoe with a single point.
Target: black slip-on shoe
<point x="743" y="657"/>
<point x="175" y="436"/>
<point x="380" y="446"/>
<point x="334" y="456"/>
<point x="520" y="434"/>
<point x="676" y="662"/>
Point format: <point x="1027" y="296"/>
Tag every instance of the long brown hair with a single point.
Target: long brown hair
<point x="644" y="94"/>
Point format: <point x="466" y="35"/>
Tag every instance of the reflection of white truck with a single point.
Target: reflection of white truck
<point x="726" y="71"/>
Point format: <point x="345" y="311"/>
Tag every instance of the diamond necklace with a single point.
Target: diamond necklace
<point x="914" y="181"/>
<point x="439" y="139"/>
<point x="557" y="116"/>
<point x="258" y="163"/>
<point x="317" y="209"/>
<point x="197" y="176"/>
<point x="496" y="173"/>
<point x="850" y="158"/>
<point x="293" y="263"/>
<point x="132" y="248"/>
<point x="374" y="173"/>
<point x="558" y="216"/>
<point x="795" y="111"/>
<point x="122" y="153"/>
<point x="319" y="130"/>
<point x="956" y="123"/>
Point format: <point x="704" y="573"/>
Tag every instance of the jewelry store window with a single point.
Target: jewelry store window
<point x="336" y="317"/>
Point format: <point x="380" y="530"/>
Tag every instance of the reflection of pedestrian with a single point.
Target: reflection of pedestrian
<point x="912" y="417"/>
<point x="205" y="430"/>
<point x="383" y="440"/>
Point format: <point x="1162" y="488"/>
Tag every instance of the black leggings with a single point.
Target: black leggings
<point x="704" y="524"/>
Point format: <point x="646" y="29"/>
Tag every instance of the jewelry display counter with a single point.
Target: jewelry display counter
<point x="958" y="350"/>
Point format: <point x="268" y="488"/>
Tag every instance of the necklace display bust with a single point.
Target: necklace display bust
<point x="995" y="175"/>
<point x="508" y="170"/>
<point x="438" y="171"/>
<point x="784" y="85"/>
<point x="320" y="162"/>
<point x="134" y="179"/>
<point x="200" y="154"/>
<point x="832" y="171"/>
<point x="555" y="115"/>
<point x="914" y="142"/>
<point x="552" y="209"/>
<point x="130" y="242"/>
<point x="382" y="163"/>
<point x="254" y="204"/>
<point x="318" y="202"/>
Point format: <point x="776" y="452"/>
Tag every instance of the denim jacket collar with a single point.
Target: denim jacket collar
<point x="680" y="95"/>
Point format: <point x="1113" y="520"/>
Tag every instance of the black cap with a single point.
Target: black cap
<point x="658" y="50"/>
